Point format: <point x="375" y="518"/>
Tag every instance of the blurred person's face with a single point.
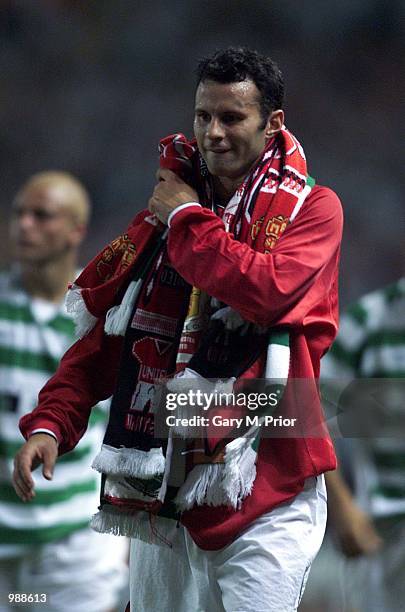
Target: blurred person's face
<point x="229" y="127"/>
<point x="43" y="227"/>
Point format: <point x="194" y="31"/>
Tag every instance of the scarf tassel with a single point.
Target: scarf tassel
<point x="139" y="526"/>
<point x="239" y="471"/>
<point x="84" y="321"/>
<point x="129" y="462"/>
<point x="119" y="524"/>
<point x="117" y="317"/>
<point x="202" y="486"/>
<point x="221" y="484"/>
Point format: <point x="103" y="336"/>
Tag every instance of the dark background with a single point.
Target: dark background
<point x="91" y="86"/>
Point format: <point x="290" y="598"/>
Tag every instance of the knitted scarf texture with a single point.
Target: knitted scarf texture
<point x="178" y="333"/>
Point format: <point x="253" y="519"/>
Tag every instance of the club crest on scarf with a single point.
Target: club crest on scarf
<point x="121" y="248"/>
<point x="274" y="228"/>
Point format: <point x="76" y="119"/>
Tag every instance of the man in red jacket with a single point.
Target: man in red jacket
<point x="245" y="287"/>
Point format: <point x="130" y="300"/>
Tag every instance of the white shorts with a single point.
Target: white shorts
<point x="84" y="572"/>
<point x="264" y="570"/>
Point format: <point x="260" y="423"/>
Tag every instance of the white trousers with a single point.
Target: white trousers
<point x="263" y="570"/>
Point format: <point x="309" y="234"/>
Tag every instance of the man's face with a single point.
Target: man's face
<point x="42" y="225"/>
<point x="228" y="127"/>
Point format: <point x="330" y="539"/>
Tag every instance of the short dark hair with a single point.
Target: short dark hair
<point x="236" y="64"/>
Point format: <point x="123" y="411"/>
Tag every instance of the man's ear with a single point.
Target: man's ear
<point x="274" y="123"/>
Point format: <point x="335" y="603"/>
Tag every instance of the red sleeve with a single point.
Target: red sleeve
<point x="268" y="289"/>
<point x="86" y="374"/>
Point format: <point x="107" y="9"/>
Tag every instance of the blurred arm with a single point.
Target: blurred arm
<point x="354" y="528"/>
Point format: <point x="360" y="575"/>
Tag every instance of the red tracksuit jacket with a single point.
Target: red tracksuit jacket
<point x="295" y="285"/>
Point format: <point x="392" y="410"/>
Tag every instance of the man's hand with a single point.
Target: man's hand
<point x="356" y="533"/>
<point x="40" y="448"/>
<point x="170" y="193"/>
<point x="354" y="528"/>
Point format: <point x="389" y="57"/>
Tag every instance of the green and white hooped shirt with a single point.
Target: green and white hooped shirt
<point x="33" y="337"/>
<point x="371" y="344"/>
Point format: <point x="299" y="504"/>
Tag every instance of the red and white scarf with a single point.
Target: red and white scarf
<point x="110" y="286"/>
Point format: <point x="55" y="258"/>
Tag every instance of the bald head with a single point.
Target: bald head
<point x="65" y="189"/>
<point x="50" y="215"/>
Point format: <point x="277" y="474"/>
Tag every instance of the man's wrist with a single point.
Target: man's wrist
<point x="179" y="208"/>
<point x="44" y="431"/>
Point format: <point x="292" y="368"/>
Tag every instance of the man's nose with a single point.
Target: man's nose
<point x="215" y="129"/>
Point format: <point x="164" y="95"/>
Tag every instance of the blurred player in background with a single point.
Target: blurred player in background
<point x="371" y="526"/>
<point x="47" y="547"/>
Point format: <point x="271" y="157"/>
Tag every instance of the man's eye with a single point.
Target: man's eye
<point x="203" y="116"/>
<point x="43" y="215"/>
<point x="39" y="214"/>
<point x="230" y="118"/>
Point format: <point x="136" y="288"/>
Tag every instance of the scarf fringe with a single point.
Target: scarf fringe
<point x="84" y="321"/>
<point x="239" y="470"/>
<point x="217" y="484"/>
<point x="130" y="462"/>
<point x="202" y="486"/>
<point x="117" y="317"/>
<point x="119" y="524"/>
<point x="147" y="528"/>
